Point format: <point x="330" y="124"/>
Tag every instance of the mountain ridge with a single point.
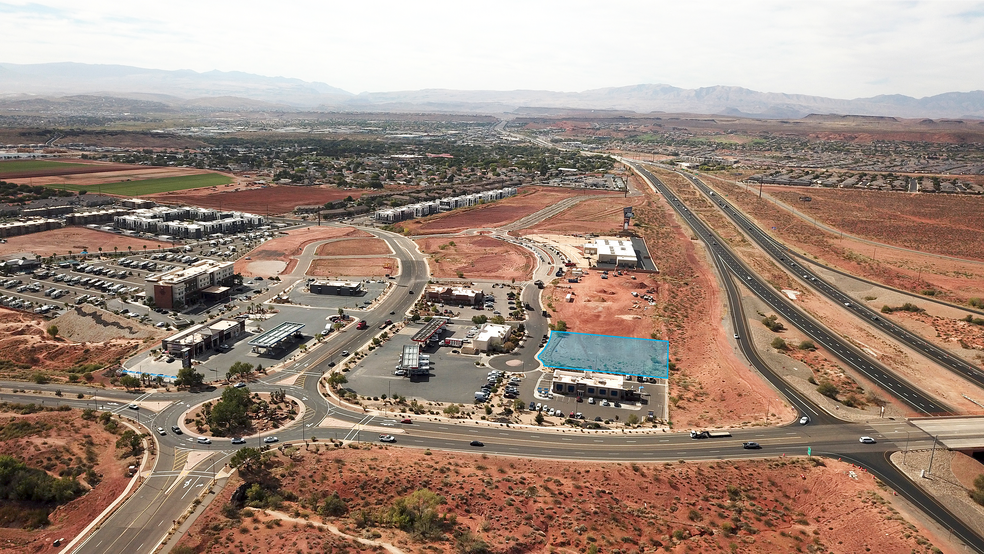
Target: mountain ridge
<point x="245" y="91"/>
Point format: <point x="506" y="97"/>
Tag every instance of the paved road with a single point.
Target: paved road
<point x="783" y="255"/>
<point x="907" y="393"/>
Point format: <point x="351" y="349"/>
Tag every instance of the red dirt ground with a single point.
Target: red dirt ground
<point x="73" y="239"/>
<point x="952" y="225"/>
<point x="354" y="247"/>
<point x="538" y="506"/>
<point x="81" y="340"/>
<point x="286" y="248"/>
<point x="268" y="200"/>
<point x="477" y="257"/>
<point x="62" y="446"/>
<point x="94" y="167"/>
<point x="953" y="280"/>
<point x="601" y="216"/>
<point x="710" y="385"/>
<point x="496" y="214"/>
<point x="353" y="267"/>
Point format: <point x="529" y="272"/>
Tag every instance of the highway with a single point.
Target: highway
<point x="783" y="255"/>
<point x="874" y="371"/>
<point x="143" y="521"/>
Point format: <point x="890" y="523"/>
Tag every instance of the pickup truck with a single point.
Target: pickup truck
<point x="709" y="434"/>
<point x="362" y="325"/>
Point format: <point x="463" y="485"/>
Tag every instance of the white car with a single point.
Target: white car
<point x="591" y="400"/>
<point x="387" y="438"/>
<point x="867" y="440"/>
<point x="804" y="420"/>
<point x="161" y="431"/>
<point x="269" y="440"/>
<point x="605" y="403"/>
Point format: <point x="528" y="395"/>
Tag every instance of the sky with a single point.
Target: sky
<point x="835" y="49"/>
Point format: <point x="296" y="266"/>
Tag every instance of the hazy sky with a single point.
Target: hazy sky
<point x="842" y="50"/>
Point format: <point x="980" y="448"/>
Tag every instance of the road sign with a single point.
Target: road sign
<point x="809" y="451"/>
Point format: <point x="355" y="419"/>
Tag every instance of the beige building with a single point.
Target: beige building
<point x="613" y="252"/>
<point x="185" y="285"/>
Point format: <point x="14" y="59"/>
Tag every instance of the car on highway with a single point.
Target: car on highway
<point x="175" y="429"/>
<point x="387" y="438"/>
<point x="476" y="443"/>
<point x="238" y="440"/>
<point x="737" y="337"/>
<point x="867" y="440"/>
<point x="269" y="440"/>
<point x="345" y="352"/>
<point x="406" y="420"/>
<point x="750" y="445"/>
<point x="133" y="407"/>
<point x="161" y="431"/>
<point x="804" y="420"/>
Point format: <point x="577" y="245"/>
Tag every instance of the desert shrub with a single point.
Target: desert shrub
<point x="779" y="344"/>
<point x="773" y="324"/>
<point x="334" y="506"/>
<point x="807" y="345"/>
<point x="828" y="389"/>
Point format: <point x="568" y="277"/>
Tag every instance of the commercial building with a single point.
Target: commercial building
<point x="491" y="336"/>
<point x="421" y="209"/>
<point x="614" y="252"/>
<point x="195" y="340"/>
<point x="182" y="286"/>
<point x="28" y="226"/>
<point x="338" y="288"/>
<point x="454" y="295"/>
<point x="597" y="385"/>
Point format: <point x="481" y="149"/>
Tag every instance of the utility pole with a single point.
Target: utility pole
<point x="906" y="451"/>
<point x="931" y="456"/>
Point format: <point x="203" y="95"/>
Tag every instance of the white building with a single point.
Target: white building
<point x="491" y="335"/>
<point x="614" y="252"/>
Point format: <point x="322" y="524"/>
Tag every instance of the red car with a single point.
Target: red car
<point x="406" y="420"/>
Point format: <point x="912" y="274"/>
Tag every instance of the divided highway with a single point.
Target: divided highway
<point x="781" y="254"/>
<point x="908" y="394"/>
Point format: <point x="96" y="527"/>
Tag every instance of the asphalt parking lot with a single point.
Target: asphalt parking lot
<point x="453" y="377"/>
<point x="374" y="289"/>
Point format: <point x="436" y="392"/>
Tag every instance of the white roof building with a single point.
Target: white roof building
<point x="612" y="251"/>
<point x="490" y="336"/>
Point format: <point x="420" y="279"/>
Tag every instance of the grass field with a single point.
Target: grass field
<point x="31" y="165"/>
<point x="153" y="186"/>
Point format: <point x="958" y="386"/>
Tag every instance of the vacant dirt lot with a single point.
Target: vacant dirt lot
<point x="937" y="223"/>
<point x="86" y="336"/>
<point x="513" y="505"/>
<point x="353" y="267"/>
<point x="951" y="280"/>
<point x="73" y="239"/>
<point x="601" y="216"/>
<point x="354" y="247"/>
<point x="266" y="200"/>
<point x="286" y="248"/>
<point x="61" y="442"/>
<point x="477" y="257"/>
<point x="74" y="169"/>
<point x="495" y="214"/>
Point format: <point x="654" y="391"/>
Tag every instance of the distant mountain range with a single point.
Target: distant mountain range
<point x="63" y="84"/>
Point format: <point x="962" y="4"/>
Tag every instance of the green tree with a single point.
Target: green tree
<point x="417" y="514"/>
<point x="452" y="410"/>
<point x="539" y="418"/>
<point x="561" y="325"/>
<point x="334" y="506"/>
<point x="230" y="413"/>
<point x="188" y="377"/>
<point x="53" y="330"/>
<point x="246" y="460"/>
<point x="129" y="382"/>
<point x="240" y="369"/>
<point x="336" y="379"/>
<point x="130" y="441"/>
<point x="480" y="319"/>
<point x="519" y="405"/>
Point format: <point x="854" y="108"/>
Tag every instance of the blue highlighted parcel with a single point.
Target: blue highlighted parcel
<point x="607" y="354"/>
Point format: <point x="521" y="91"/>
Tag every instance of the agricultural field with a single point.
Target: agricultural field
<point x="153" y="186"/>
<point x="20" y="166"/>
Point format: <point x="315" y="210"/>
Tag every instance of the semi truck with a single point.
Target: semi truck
<point x="709" y="434"/>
